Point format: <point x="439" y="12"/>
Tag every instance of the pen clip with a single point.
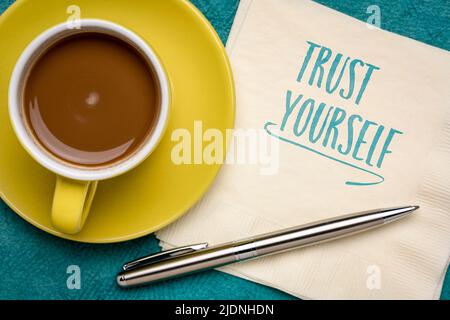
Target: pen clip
<point x="163" y="255"/>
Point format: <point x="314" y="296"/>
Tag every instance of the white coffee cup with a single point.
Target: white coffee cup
<point x="76" y="185"/>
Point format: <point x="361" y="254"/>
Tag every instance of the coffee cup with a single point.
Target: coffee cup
<point x="105" y="134"/>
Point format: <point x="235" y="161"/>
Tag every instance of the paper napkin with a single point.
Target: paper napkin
<point x="359" y="119"/>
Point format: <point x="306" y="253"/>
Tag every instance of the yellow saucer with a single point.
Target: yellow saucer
<point x="158" y="191"/>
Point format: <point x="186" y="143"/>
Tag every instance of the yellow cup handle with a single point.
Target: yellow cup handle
<point x="71" y="204"/>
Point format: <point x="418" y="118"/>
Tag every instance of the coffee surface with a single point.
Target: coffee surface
<point x="91" y="100"/>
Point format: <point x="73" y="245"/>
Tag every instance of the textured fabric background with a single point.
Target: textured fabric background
<point x="39" y="261"/>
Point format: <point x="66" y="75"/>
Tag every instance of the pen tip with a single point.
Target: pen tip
<point x="394" y="214"/>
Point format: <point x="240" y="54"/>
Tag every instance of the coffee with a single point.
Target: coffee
<point x="91" y="100"/>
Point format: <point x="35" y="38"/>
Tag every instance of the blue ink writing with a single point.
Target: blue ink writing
<point x="318" y="72"/>
<point x="317" y="126"/>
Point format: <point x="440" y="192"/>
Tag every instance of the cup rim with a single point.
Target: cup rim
<point x="59" y="166"/>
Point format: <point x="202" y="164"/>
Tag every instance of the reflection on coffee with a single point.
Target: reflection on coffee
<point x="91" y="100"/>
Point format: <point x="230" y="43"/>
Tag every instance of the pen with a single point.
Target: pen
<point x="199" y="257"/>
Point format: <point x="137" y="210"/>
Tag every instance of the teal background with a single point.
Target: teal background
<point x="35" y="263"/>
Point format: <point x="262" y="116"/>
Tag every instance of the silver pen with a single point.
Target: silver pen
<point x="198" y="257"/>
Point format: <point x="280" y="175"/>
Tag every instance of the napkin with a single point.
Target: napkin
<point x="344" y="117"/>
